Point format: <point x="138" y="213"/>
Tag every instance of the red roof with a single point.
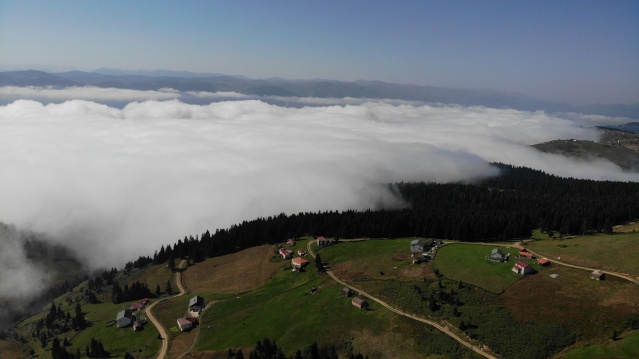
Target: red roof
<point x="521" y="264"/>
<point x="144" y="301"/>
<point x="523" y="249"/>
<point x="322" y="239"/>
<point x="136" y="306"/>
<point x="299" y="260"/>
<point x="525" y="254"/>
<point x="300" y="252"/>
<point x="543" y="261"/>
<point x="285" y="251"/>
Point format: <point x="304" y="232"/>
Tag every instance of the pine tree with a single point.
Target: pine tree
<point x="169" y="289"/>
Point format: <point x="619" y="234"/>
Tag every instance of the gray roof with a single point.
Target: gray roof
<point x="124" y="314"/>
<point x="197" y="300"/>
<point x="358" y="300"/>
<point x="497" y="251"/>
<point x="421" y="242"/>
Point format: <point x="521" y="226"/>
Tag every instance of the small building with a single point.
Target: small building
<point x="196" y="304"/>
<point x="522" y="249"/>
<point x="184" y="324"/>
<point x="359" y="302"/>
<point x="496" y="255"/>
<point x="347" y="291"/>
<point x="418" y="258"/>
<point x="525" y="254"/>
<point x="554" y="276"/>
<point x="301" y="252"/>
<point x="323" y="241"/>
<point x="124" y="318"/>
<point x="522" y="268"/>
<point x="290" y="242"/>
<point x="420" y="245"/>
<point x="543" y="261"/>
<point x="136" y="306"/>
<point x="299" y="262"/>
<point x="145" y="301"/>
<point x="597" y="275"/>
<point x="286" y="253"/>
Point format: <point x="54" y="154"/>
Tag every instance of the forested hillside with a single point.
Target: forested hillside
<point x="500" y="208"/>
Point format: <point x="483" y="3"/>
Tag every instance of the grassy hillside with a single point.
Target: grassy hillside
<point x="467" y="262"/>
<point x="609" y="252"/>
<point x="618" y="147"/>
<point x="626" y="347"/>
<point x="117" y="341"/>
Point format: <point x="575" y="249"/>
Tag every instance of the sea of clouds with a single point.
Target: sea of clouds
<point x="113" y="183"/>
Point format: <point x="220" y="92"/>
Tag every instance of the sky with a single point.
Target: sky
<point x="578" y="52"/>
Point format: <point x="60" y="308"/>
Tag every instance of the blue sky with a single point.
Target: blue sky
<point x="568" y="51"/>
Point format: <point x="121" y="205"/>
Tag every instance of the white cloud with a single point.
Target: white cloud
<point x="118" y="183"/>
<point x="85" y="93"/>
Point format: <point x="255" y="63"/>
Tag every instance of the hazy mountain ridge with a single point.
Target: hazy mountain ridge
<point x="211" y="82"/>
<point x="617" y="146"/>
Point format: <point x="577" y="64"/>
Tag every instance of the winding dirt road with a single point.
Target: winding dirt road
<point x="156" y="323"/>
<point x="438" y="326"/>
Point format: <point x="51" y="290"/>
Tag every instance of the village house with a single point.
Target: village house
<point x="420" y="245"/>
<point x="137" y="326"/>
<point x="184" y="324"/>
<point x="418" y="258"/>
<point x="298" y="262"/>
<point x="196" y="304"/>
<point x="526" y="254"/>
<point x="285" y="253"/>
<point x="496" y="255"/>
<point x="522" y="268"/>
<point x="347" y="291"/>
<point x="543" y="261"/>
<point x="124" y="318"/>
<point x="597" y="275"/>
<point x="136" y="306"/>
<point x="359" y="303"/>
<point x="323" y="241"/>
<point x="301" y="252"/>
<point x="290" y="242"/>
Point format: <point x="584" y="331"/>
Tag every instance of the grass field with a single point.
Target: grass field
<point x="626" y="347"/>
<point x="592" y="309"/>
<point x="467" y="263"/>
<point x="608" y="252"/>
<point x="378" y="259"/>
<point x="11" y="349"/>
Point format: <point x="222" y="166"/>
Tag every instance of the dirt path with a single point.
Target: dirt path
<point x="438" y="326"/>
<point x="156" y="323"/>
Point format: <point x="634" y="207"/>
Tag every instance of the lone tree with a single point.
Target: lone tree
<point x="319" y="264"/>
<point x="169" y="289"/>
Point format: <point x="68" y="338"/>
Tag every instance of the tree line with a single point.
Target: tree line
<point x="504" y="207"/>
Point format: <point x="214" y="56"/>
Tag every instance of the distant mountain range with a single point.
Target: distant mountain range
<point x="212" y="82"/>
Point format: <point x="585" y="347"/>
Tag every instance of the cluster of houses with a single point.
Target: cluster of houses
<point x="422" y="245"/>
<point x="520" y="267"/>
<point x="196" y="306"/>
<point x="126" y="317"/>
<point x="355" y="301"/>
<point x="298" y="262"/>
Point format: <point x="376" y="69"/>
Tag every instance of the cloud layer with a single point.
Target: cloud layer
<point x="117" y="183"/>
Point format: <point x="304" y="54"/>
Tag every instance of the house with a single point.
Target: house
<point x="196" y="304"/>
<point x="597" y="274"/>
<point x="145" y="301"/>
<point x="286" y="253"/>
<point x="543" y="261"/>
<point x="301" y="252"/>
<point x="525" y="254"/>
<point x="323" y="241"/>
<point x="124" y="318"/>
<point x="522" y="268"/>
<point x="136" y="306"/>
<point x="522" y="249"/>
<point x="496" y="255"/>
<point x="299" y="262"/>
<point x="359" y="302"/>
<point x="290" y="242"/>
<point x="347" y="291"/>
<point x="420" y="245"/>
<point x="418" y="258"/>
<point x="184" y="324"/>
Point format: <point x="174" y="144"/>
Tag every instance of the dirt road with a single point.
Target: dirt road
<point x="156" y="323"/>
<point x="438" y="326"/>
